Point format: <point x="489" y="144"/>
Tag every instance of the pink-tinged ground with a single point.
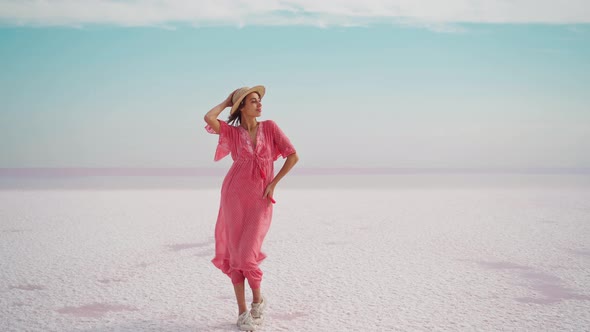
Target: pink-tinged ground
<point x="381" y="259"/>
<point x="95" y="310"/>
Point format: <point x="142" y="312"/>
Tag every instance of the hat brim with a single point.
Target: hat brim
<point x="258" y="88"/>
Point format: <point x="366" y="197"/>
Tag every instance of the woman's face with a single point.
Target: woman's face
<point x="252" y="105"/>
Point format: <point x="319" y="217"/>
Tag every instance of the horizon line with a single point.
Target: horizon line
<point x="214" y="171"/>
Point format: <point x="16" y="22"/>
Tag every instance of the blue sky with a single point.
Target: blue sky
<point x="350" y="90"/>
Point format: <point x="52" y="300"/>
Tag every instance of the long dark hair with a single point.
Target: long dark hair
<point x="237" y="116"/>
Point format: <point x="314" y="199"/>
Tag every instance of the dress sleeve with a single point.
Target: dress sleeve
<point x="224" y="143"/>
<point x="282" y="144"/>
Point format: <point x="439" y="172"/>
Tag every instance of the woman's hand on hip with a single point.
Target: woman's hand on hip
<point x="269" y="192"/>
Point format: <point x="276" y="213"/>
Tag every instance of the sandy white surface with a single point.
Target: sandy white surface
<point x="422" y="259"/>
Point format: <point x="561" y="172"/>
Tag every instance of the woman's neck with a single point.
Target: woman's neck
<point x="249" y="123"/>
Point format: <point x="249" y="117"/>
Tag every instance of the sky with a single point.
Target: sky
<point x="373" y="84"/>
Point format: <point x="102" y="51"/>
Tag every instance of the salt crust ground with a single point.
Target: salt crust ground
<point x="426" y="259"/>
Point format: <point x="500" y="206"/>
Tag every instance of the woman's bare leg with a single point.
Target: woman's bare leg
<point x="256" y="295"/>
<point x="240" y="297"/>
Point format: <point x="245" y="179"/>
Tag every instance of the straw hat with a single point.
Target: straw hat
<point x="242" y="92"/>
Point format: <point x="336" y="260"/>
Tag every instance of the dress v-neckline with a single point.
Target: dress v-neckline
<point x="253" y="142"/>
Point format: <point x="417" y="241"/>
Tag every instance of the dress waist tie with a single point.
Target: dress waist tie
<point x="259" y="162"/>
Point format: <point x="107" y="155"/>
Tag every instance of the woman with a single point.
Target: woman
<point x="245" y="211"/>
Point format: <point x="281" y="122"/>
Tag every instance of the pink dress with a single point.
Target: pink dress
<point x="244" y="216"/>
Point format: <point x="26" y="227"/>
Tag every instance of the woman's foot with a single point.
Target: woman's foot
<point x="257" y="311"/>
<point x="245" y="322"/>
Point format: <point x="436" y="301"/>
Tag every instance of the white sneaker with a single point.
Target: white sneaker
<point x="257" y="311"/>
<point x="245" y="322"/>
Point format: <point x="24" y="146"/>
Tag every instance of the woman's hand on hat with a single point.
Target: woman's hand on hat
<point x="228" y="102"/>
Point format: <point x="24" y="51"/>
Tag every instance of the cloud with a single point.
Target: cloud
<point x="433" y="14"/>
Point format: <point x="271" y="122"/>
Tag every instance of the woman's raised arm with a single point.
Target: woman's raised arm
<point x="211" y="116"/>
